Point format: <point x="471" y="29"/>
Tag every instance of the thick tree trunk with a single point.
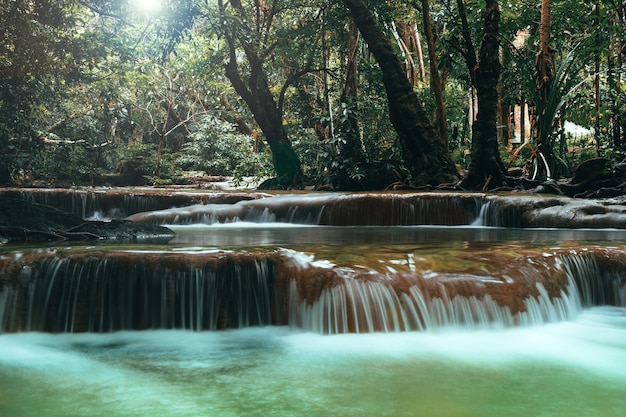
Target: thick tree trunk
<point x="261" y="102"/>
<point x="486" y="169"/>
<point x="256" y="93"/>
<point x="424" y="153"/>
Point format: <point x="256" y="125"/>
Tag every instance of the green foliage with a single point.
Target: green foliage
<point x="217" y="149"/>
<point x="549" y="109"/>
<point x="86" y="91"/>
<point x="139" y="164"/>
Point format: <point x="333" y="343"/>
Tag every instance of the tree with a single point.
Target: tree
<point x="424" y="152"/>
<point x="544" y="75"/>
<point x="436" y="85"/>
<point x="486" y="169"/>
<point x="250" y="28"/>
<point x="350" y="143"/>
<point x="95" y="81"/>
<point x="43" y="46"/>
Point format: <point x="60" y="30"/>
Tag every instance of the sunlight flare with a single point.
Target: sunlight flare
<point x="149" y="6"/>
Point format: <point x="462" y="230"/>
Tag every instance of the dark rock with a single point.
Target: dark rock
<point x="594" y="178"/>
<point x="22" y="221"/>
<point x="17" y="212"/>
<point x="119" y="229"/>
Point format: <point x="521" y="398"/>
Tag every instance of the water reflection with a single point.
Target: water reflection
<point x="268" y="234"/>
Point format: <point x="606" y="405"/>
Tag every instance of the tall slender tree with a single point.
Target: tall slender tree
<point x="436" y="85"/>
<point x="544" y="75"/>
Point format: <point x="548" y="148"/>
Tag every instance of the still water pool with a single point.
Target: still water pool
<point x="573" y="368"/>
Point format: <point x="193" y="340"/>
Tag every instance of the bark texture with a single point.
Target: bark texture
<point x="486" y="169"/>
<point x="424" y="153"/>
<point x="255" y="91"/>
<point x="544" y="75"/>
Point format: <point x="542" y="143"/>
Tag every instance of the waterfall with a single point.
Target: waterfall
<point x="597" y="285"/>
<point x="105" y="203"/>
<point x="329" y="209"/>
<point x="103" y="291"/>
<point x="133" y="292"/>
<point x="388" y="304"/>
<point x="367" y="307"/>
<point x="499" y="213"/>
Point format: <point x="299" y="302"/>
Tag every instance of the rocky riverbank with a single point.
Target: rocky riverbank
<point x="22" y="221"/>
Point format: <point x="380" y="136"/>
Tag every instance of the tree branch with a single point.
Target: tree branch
<point x="102" y="12"/>
<point x="292" y="79"/>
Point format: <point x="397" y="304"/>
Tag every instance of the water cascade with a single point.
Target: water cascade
<point x="120" y="203"/>
<point x="352" y="209"/>
<point x="103" y="291"/>
<point x="356" y="304"/>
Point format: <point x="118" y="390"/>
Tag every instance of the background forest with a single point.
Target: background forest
<point x="122" y="92"/>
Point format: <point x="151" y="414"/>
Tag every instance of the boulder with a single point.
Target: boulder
<point x="22" y="221"/>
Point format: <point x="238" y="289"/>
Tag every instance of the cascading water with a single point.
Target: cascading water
<point x="329" y="209"/>
<point x="96" y="292"/>
<point x="107" y="203"/>
<point x="208" y="290"/>
<point x="322" y="311"/>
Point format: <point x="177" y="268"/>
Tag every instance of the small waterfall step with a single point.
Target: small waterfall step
<point x="95" y="290"/>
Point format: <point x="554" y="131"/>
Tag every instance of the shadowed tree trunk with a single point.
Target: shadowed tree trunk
<point x="255" y="91"/>
<point x="258" y="97"/>
<point x="424" y="153"/>
<point x="486" y="169"/>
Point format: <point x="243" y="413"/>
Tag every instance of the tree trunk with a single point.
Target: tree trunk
<point x="327" y="100"/>
<point x="420" y="53"/>
<point x="256" y="93"/>
<point x="351" y="146"/>
<point x="436" y="86"/>
<point x="544" y="65"/>
<point x="424" y="153"/>
<point x="261" y="102"/>
<point x="470" y="51"/>
<point x="504" y="110"/>
<point x="596" y="81"/>
<point x="544" y="74"/>
<point x="486" y="169"/>
<point x="614" y="70"/>
<point x="410" y="43"/>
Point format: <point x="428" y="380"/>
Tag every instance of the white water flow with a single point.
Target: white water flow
<point x="573" y="368"/>
<point x="96" y="291"/>
<point x="413" y="320"/>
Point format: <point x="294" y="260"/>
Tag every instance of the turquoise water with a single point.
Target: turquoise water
<point x="575" y="368"/>
<point x="564" y="369"/>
